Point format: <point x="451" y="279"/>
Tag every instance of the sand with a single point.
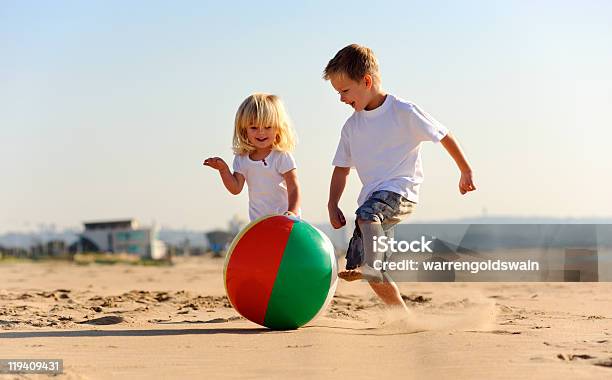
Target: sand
<point x="138" y="322"/>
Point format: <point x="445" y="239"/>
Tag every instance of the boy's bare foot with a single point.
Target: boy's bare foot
<point x="350" y="275"/>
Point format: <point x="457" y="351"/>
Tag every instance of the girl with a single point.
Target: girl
<point x="263" y="141"/>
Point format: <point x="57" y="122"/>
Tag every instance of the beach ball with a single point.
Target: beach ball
<point x="280" y="272"/>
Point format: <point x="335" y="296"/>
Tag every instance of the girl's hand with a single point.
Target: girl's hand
<point x="216" y="163"/>
<point x="466" y="184"/>
<point x="233" y="182"/>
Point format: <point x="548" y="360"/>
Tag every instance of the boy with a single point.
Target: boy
<point x="382" y="141"/>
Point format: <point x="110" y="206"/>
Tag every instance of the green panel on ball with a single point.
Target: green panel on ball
<point x="303" y="280"/>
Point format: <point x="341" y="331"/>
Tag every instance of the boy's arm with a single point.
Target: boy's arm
<point x="466" y="184"/>
<point x="336" y="188"/>
<point x="293" y="191"/>
<point x="234" y="182"/>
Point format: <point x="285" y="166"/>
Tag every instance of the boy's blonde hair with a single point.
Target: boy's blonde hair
<point x="354" y="61"/>
<point x="262" y="110"/>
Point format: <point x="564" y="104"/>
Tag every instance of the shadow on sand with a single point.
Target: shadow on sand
<point x="135" y="333"/>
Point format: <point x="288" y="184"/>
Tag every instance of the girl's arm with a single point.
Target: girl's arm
<point x="293" y="191"/>
<point x="234" y="182"/>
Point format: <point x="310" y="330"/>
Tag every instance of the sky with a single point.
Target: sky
<point x="108" y="108"/>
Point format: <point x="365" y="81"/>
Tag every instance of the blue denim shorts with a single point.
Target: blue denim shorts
<point x="384" y="207"/>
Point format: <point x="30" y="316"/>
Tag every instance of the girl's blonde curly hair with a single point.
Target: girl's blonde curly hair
<point x="262" y="110"/>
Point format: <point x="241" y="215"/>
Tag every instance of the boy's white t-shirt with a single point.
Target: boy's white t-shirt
<point x="264" y="178"/>
<point x="384" y="146"/>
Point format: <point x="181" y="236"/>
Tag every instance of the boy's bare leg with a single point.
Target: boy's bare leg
<point x="388" y="291"/>
<point x="384" y="286"/>
<point x="368" y="229"/>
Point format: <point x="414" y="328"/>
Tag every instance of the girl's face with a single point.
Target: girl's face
<point x="261" y="138"/>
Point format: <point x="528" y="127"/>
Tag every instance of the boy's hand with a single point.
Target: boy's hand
<point x="336" y="217"/>
<point x="216" y="163"/>
<point x="466" y="184"/>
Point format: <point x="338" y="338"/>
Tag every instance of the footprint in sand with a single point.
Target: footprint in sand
<point x="221" y="320"/>
<point x="108" y="320"/>
<point x="415" y="298"/>
<point x="501" y="332"/>
<point x="214" y="320"/>
<point x="571" y="357"/>
<point x="604" y="363"/>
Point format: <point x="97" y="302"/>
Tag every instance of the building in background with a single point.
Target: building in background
<point x="121" y="236"/>
<point x="219" y="240"/>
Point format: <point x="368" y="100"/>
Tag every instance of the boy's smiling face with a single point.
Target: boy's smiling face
<point x="355" y="94"/>
<point x="261" y="138"/>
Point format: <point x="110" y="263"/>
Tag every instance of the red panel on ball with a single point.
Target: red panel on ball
<point x="253" y="264"/>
